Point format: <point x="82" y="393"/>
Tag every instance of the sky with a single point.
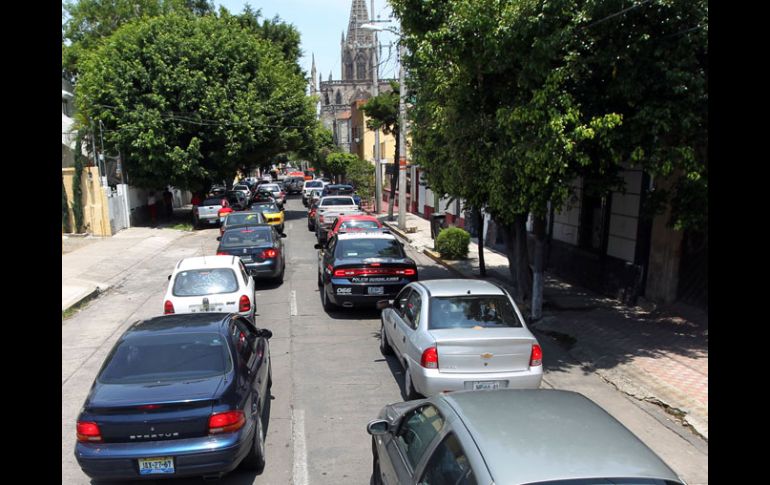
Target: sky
<point x="321" y="23"/>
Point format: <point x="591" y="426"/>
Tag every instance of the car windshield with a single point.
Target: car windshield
<point x="199" y="282"/>
<point x="359" y="225"/>
<point x="471" y="311"/>
<point x="213" y="201"/>
<point x="314" y="183"/>
<point x="241" y="187"/>
<point x="265" y="207"/>
<point x="150" y="358"/>
<point x="241" y="238"/>
<point x="243" y="218"/>
<point x="272" y="188"/>
<point x="369" y="248"/>
<point x="337" y="201"/>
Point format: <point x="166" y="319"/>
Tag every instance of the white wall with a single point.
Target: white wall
<point x="566" y="222"/>
<point x="624" y="217"/>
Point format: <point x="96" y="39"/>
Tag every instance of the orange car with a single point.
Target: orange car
<point x="354" y="223"/>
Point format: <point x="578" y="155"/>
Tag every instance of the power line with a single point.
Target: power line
<point x="632" y="7"/>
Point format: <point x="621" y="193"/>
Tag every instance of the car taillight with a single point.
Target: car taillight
<point x="88" y="432"/>
<point x="222" y="253"/>
<point x="168" y="307"/>
<point x="536" y="358"/>
<point x="244" y="304"/>
<point x="226" y="422"/>
<point x="429" y="358"/>
<point x="269" y="253"/>
<point x="348" y="272"/>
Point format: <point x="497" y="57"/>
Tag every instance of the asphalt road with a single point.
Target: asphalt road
<point x="329" y="378"/>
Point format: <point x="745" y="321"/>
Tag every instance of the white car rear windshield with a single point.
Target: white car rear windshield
<point x="200" y="282"/>
<point x="472" y="311"/>
<point x="167" y="357"/>
<point x="338" y="201"/>
<point x="313" y="184"/>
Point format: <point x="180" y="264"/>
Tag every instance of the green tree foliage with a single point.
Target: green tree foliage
<point x="383" y="112"/>
<point x="274" y="30"/>
<point x="452" y="243"/>
<point x="360" y="173"/>
<point x="85" y="23"/>
<point x="338" y="163"/>
<point x="189" y="99"/>
<point x="77" y="186"/>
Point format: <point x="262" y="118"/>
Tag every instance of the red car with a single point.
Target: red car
<point x="354" y="223"/>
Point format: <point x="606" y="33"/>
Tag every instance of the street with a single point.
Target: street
<point x="329" y="377"/>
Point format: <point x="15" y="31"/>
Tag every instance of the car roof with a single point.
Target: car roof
<point x="178" y="323"/>
<point x="460" y="287"/>
<point x="533" y="435"/>
<point x="365" y="235"/>
<point x="202" y="262"/>
<point x="357" y="217"/>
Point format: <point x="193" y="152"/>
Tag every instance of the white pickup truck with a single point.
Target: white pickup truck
<point x="329" y="208"/>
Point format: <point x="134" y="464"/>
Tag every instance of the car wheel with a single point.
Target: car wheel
<point x="385" y="347"/>
<point x="255" y="460"/>
<point x="327" y="303"/>
<point x="279" y="278"/>
<point x="409" y="390"/>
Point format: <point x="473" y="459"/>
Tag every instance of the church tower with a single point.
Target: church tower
<point x="357" y="48"/>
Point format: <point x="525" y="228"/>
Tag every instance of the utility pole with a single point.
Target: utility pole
<point x="377" y="155"/>
<point x="401" y="140"/>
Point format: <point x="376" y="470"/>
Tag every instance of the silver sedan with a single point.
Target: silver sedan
<point x="459" y="334"/>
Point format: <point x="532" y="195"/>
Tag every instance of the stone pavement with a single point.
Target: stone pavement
<point x="656" y="354"/>
<point x="104" y="262"/>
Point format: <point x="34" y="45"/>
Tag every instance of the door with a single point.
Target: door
<point x="448" y="464"/>
<point x="419" y="428"/>
<point x="398" y="324"/>
<point x="411" y="320"/>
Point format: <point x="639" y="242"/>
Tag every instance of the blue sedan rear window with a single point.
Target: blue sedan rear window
<point x="166" y="357"/>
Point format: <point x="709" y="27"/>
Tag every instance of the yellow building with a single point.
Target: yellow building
<point x="362" y="143"/>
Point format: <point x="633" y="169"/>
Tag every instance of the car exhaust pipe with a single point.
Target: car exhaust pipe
<point x="211" y="478"/>
<point x="347" y="304"/>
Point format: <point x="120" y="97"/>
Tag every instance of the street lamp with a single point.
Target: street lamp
<point x="401" y="126"/>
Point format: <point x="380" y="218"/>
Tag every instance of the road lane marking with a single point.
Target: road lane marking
<point x="293" y="303"/>
<point x="299" y="475"/>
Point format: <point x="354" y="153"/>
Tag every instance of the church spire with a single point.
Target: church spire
<point x="313" y="88"/>
<point x="358" y="15"/>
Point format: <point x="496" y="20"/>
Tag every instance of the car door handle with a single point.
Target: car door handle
<point x="403" y="339"/>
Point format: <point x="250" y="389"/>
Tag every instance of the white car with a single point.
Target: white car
<point x="278" y="194"/>
<point x="210" y="284"/>
<point x="243" y="188"/>
<point x="308" y="187"/>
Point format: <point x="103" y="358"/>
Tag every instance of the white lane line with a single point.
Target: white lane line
<point x="299" y="475"/>
<point x="293" y="303"/>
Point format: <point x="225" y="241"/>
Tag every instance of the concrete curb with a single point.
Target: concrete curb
<point x="82" y="300"/>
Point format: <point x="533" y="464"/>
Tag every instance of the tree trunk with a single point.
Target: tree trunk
<point x="537" y="285"/>
<point x="518" y="258"/>
<point x="480" y="228"/>
<point x="393" y="179"/>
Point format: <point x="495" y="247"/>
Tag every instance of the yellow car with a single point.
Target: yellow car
<point x="272" y="214"/>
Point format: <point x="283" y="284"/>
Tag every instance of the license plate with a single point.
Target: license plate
<point x="246" y="259"/>
<point x="375" y="290"/>
<point x="486" y="385"/>
<point x="156" y="466"/>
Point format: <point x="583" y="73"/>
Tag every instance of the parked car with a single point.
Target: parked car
<point x="278" y="194"/>
<point x="293" y="184"/>
<point x="217" y="190"/>
<point x="178" y="395"/>
<point x="208" y="211"/>
<point x="307" y="187"/>
<point x="329" y="208"/>
<point x="271" y="212"/>
<point x="354" y="223"/>
<point x="237" y="200"/>
<point x="210" y="284"/>
<point x="459" y="334"/>
<point x="509" y="437"/>
<point x="243" y="188"/>
<point x="260" y="248"/>
<point x="357" y="269"/>
<point x="243" y="218"/>
<point x="311" y="211"/>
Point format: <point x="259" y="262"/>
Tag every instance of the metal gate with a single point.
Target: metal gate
<point x="117" y="200"/>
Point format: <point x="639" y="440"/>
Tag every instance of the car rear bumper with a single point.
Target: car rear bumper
<point x="343" y="293"/>
<point x="192" y="456"/>
<point x="269" y="268"/>
<point x="430" y="381"/>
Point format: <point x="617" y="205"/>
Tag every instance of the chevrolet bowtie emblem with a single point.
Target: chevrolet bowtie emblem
<point x="487" y="356"/>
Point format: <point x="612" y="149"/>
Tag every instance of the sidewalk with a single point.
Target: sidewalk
<point x="653" y="354"/>
<point x="92" y="269"/>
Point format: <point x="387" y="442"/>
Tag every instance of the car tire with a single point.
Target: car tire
<point x="385" y="347"/>
<point x="279" y="278"/>
<point x="327" y="303"/>
<point x="255" y="459"/>
<point x="410" y="393"/>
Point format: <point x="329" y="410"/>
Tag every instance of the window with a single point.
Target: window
<point x="472" y="311"/>
<point x="199" y="282"/>
<point x="338" y="97"/>
<point x="370" y="248"/>
<point x="413" y="305"/>
<point x="242" y="337"/>
<point x="448" y="465"/>
<point x="400" y="302"/>
<point x="357" y="224"/>
<point x="361" y="67"/>
<point x="338" y="201"/>
<point x="153" y="357"/>
<point x="238" y="238"/>
<point x="417" y="431"/>
<point x="244" y="273"/>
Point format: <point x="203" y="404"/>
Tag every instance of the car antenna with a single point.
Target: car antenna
<point x="469" y="292"/>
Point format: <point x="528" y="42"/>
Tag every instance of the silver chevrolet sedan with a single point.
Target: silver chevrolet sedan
<point x="507" y="437"/>
<point x="459" y="334"/>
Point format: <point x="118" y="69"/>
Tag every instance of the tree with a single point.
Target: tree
<point x="87" y="22"/>
<point x="360" y="174"/>
<point x="382" y="111"/>
<point x="188" y="100"/>
<point x="337" y="164"/>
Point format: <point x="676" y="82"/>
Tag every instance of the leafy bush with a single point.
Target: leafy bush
<point x="452" y="243"/>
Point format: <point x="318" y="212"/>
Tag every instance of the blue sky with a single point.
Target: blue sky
<point x="320" y="23"/>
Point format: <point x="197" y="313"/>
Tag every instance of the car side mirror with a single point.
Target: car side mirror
<point x="264" y="333"/>
<point x="219" y="238"/>
<point x="169" y="277"/>
<point x="284" y="235"/>
<point x="383" y="304"/>
<point x="318" y="246"/>
<point x="378" y="427"/>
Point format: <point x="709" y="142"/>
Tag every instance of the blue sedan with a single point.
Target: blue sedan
<point x="179" y="395"/>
